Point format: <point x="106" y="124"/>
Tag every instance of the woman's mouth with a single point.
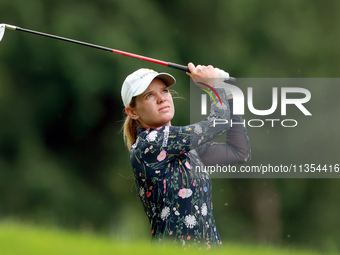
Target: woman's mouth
<point x="164" y="109"/>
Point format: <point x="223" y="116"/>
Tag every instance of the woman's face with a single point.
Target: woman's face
<point x="154" y="108"/>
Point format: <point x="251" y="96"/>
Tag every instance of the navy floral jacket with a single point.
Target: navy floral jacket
<point x="177" y="199"/>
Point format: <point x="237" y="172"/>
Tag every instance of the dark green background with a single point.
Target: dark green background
<point x="62" y="158"/>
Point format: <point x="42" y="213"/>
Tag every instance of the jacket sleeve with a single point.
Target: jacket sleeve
<point x="236" y="149"/>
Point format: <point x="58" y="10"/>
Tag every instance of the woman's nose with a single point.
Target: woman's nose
<point x="161" y="98"/>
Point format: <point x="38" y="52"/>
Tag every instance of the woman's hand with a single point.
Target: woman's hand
<point x="203" y="74"/>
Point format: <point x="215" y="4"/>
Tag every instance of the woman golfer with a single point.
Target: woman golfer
<point x="177" y="198"/>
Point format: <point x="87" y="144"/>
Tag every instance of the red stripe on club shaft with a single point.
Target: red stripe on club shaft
<point x="156" y="61"/>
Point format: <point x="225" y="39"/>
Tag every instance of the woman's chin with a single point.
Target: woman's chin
<point x="166" y="121"/>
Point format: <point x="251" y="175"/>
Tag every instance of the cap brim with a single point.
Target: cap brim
<point x="168" y="79"/>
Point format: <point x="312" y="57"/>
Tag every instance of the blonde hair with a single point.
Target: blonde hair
<point x="130" y="127"/>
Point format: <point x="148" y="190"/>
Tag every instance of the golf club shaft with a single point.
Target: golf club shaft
<point x="156" y="61"/>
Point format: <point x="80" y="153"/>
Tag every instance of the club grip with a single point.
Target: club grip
<point x="230" y="80"/>
<point x="179" y="67"/>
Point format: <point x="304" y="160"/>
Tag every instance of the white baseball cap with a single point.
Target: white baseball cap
<point x="137" y="82"/>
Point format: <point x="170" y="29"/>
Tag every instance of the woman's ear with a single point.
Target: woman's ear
<point x="131" y="112"/>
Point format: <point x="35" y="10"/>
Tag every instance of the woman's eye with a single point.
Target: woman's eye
<point x="148" y="96"/>
<point x="165" y="90"/>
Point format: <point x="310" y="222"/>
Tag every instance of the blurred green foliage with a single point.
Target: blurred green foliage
<point x="62" y="158"/>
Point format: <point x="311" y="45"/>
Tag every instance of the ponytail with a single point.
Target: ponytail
<point x="130" y="131"/>
<point x="130" y="127"/>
